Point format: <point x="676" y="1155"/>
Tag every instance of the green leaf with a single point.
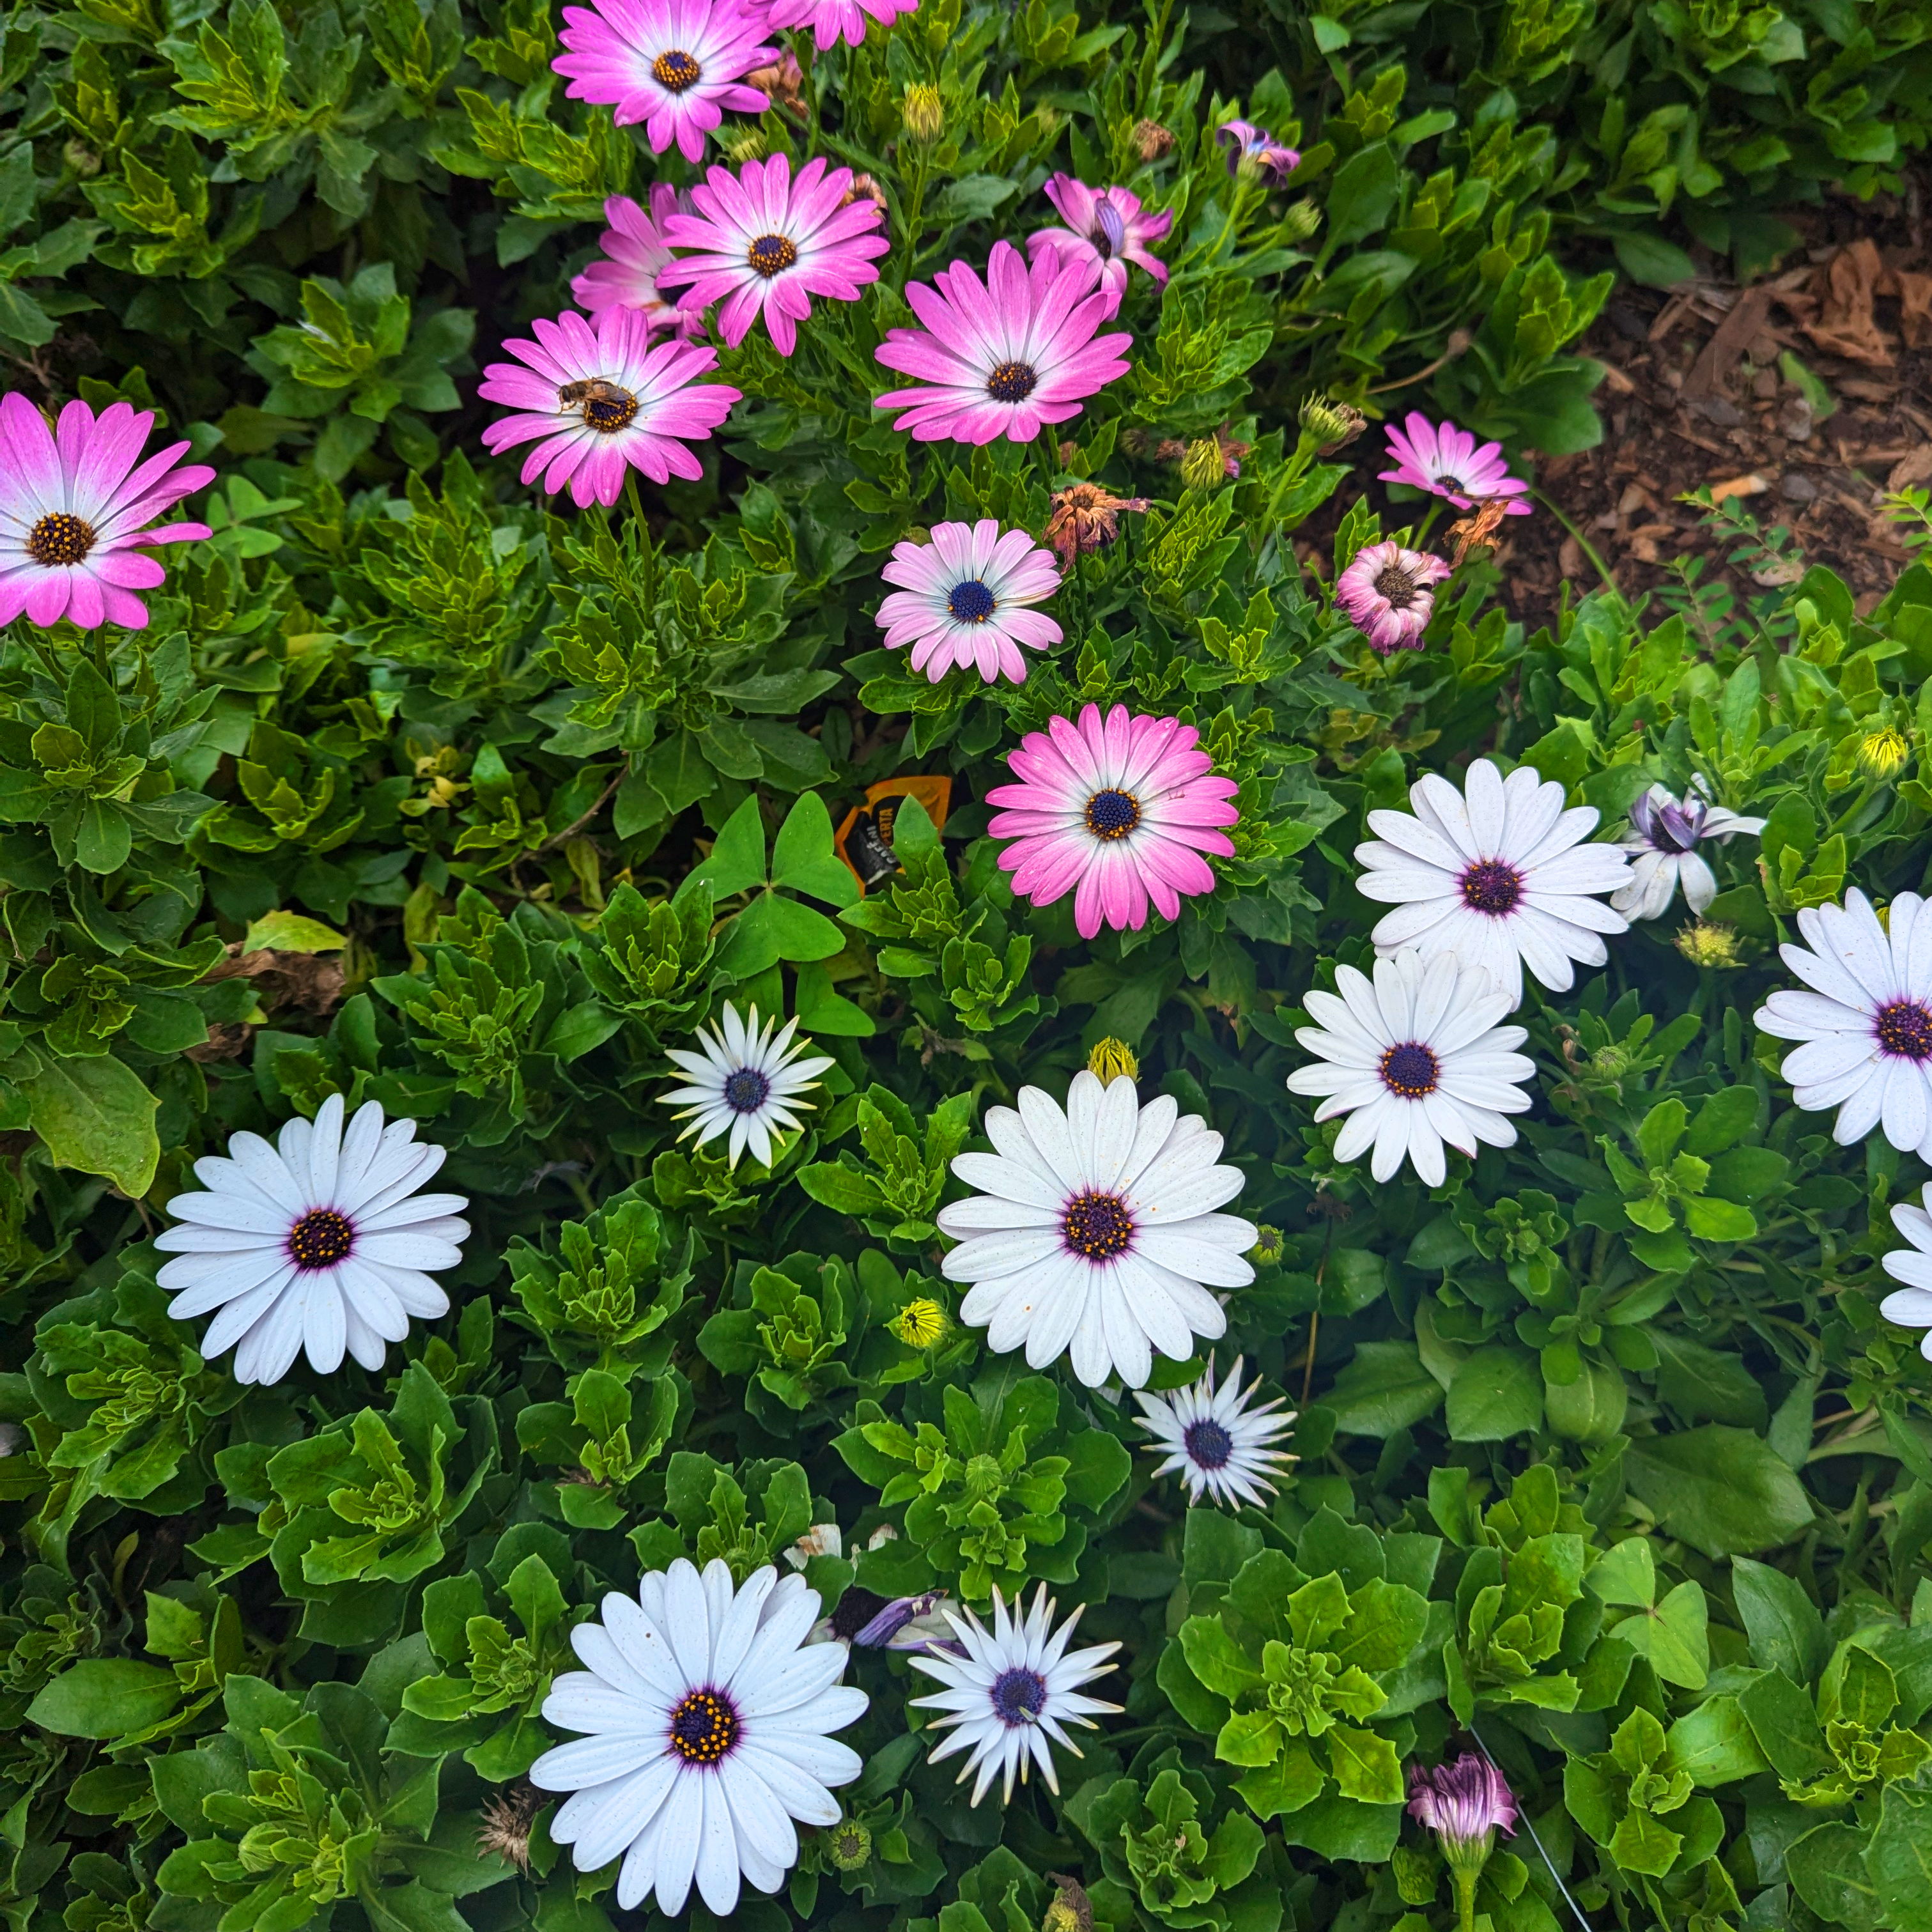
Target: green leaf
<point x="737" y="860"/>
<point x="106" y="1697"/>
<point x="1674" y="1637"/>
<point x="803" y="856"/>
<point x="1293" y="1781"/>
<point x="1786" y="1628"/>
<point x="291" y="932"/>
<point x="1213" y="1657"/>
<point x="1828" y="1870"/>
<point x="1365" y="1766"/>
<point x="96" y="1116"/>
<point x="1384" y="1388"/>
<point x="1899" y="1859"/>
<point x="1711" y="1220"/>
<point x="1498" y="1393"/>
<point x="1724" y="1490"/>
<point x="1715" y="1744"/>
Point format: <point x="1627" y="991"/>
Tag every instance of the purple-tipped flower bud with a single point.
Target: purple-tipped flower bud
<point x="1465" y="1804"/>
<point x="1254" y="151"/>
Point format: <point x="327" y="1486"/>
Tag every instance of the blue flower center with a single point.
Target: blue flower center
<point x="703" y="1727"/>
<point x="1492" y="887"/>
<point x="971" y="602"/>
<point x="1411" y="1070"/>
<point x="771" y="255"/>
<point x="1097" y="1227"/>
<point x="1208" y="1445"/>
<point x="1905" y="1028"/>
<point x="1112" y="815"/>
<point x="1013" y="382"/>
<point x="321" y="1238"/>
<point x="1019" y="1696"/>
<point x="745" y="1091"/>
<point x="674" y="71"/>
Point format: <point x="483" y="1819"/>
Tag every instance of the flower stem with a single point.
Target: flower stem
<point x="1465" y="1898"/>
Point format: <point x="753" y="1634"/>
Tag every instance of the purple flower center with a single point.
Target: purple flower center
<point x="1395" y="586"/>
<point x="60" y="538"/>
<point x="1208" y="1445"/>
<point x="1112" y="815"/>
<point x="1097" y="1227"/>
<point x="1451" y="483"/>
<point x="1493" y="885"/>
<point x="971" y="602"/>
<point x="1672" y="828"/>
<point x="703" y="1727"/>
<point x="606" y="407"/>
<point x="771" y="255"/>
<point x="1110" y="233"/>
<point x="321" y="1238"/>
<point x="1905" y="1027"/>
<point x="1018" y="1697"/>
<point x="745" y="1089"/>
<point x="674" y="71"/>
<point x="1013" y="382"/>
<point x="857" y="1608"/>
<point x="1412" y="1069"/>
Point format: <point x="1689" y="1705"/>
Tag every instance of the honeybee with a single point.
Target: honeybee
<point x="581" y="395"/>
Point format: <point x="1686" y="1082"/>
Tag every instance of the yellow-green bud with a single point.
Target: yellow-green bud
<point x="924" y="113"/>
<point x="1883" y="753"/>
<point x="920" y="1323"/>
<point x="1330" y="423"/>
<point x="1110" y="1059"/>
<point x="848" y="1845"/>
<point x="1204" y="465"/>
<point x="1299" y="221"/>
<point x="748" y="144"/>
<point x="1711" y="945"/>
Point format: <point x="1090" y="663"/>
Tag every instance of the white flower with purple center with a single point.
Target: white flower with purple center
<point x="1218" y="1445"/>
<point x="965" y="600"/>
<point x="707" y="1713"/>
<point x="1665" y="833"/>
<point x="320" y="1241"/>
<point x="745" y="1083"/>
<point x="1865" y="1023"/>
<point x="1497" y="875"/>
<point x="1911" y="1307"/>
<point x="1010" y="1692"/>
<point x="1415" y="1058"/>
<point x="1096" y="1235"/>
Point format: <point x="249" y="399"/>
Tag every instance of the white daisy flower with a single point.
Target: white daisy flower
<point x="1662" y="840"/>
<point x="1414" y="1059"/>
<point x="1491" y="874"/>
<point x="1010" y="1696"/>
<point x="320" y="1241"/>
<point x="1219" y="1446"/>
<point x="1095" y="1230"/>
<point x="707" y="1722"/>
<point x="1867" y="1022"/>
<point x="1911" y="1307"/>
<point x="745" y="1081"/>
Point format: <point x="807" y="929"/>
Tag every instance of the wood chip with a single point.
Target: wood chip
<point x="1738" y="486"/>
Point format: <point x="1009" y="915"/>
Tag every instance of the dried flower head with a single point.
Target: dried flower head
<point x="1084" y="518"/>
<point x="1112" y="1058"/>
<point x="784" y="80"/>
<point x="505" y="1832"/>
<point x="1072" y="1910"/>
<point x="1152" y="142"/>
<point x="1478" y="529"/>
<point x="863" y="185"/>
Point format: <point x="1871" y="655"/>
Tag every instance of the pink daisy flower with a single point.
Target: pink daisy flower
<point x="768" y="244"/>
<point x="831" y="21"/>
<point x="74" y="511"/>
<point x="635" y="253"/>
<point x="1106" y="228"/>
<point x="596" y="398"/>
<point x="676" y="65"/>
<point x="1446" y="462"/>
<point x="1001" y="357"/>
<point x="1257" y="151"/>
<point x="964" y="599"/>
<point x="1386" y="593"/>
<point x="1118" y="810"/>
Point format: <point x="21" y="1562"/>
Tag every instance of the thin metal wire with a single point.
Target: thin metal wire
<point x="1524" y="1815"/>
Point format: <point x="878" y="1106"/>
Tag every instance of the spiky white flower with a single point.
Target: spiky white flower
<point x="745" y="1082"/>
<point x="1218" y="1445"/>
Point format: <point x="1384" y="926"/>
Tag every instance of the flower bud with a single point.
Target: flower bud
<point x="1464" y="1804"/>
<point x="848" y="1845"/>
<point x="1204" y="466"/>
<point x="1330" y="423"/>
<point x="1268" y="1245"/>
<point x="1111" y="1059"/>
<point x="1300" y="220"/>
<point x="924" y="113"/>
<point x="1152" y="142"/>
<point x="920" y="1323"/>
<point x="748" y="144"/>
<point x="1883" y="753"/>
<point x="1711" y="945"/>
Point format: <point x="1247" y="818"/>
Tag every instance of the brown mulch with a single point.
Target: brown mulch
<point x="1699" y="394"/>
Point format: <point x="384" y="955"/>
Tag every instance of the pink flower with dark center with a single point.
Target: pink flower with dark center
<point x="74" y="509"/>
<point x="635" y="255"/>
<point x="831" y="21"/>
<point x="596" y="399"/>
<point x="1386" y="594"/>
<point x="1001" y="357"/>
<point x="1105" y="229"/>
<point x="768" y="244"/>
<point x="1448" y="462"/>
<point x="676" y="65"/>
<point x="965" y="600"/>
<point x="1117" y="810"/>
<point x="1257" y="152"/>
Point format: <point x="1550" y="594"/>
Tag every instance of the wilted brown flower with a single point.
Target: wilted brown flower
<point x="864" y="185"/>
<point x="784" y="80"/>
<point x="1085" y="518"/>
<point x="505" y="1828"/>
<point x="1152" y="142"/>
<point x="1478" y="528"/>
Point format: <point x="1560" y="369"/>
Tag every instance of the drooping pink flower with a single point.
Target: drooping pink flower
<point x="597" y="398"/>
<point x="1106" y="228"/>
<point x="1117" y="810"/>
<point x="831" y="21"/>
<point x="74" y="510"/>
<point x="1446" y="462"/>
<point x="965" y="600"/>
<point x="1386" y="593"/>
<point x="768" y="244"/>
<point x="1257" y="151"/>
<point x="1001" y="357"/>
<point x="676" y="65"/>
<point x="635" y="254"/>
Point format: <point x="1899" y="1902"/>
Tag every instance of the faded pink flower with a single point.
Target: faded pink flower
<point x="74" y="510"/>
<point x="767" y="244"/>
<point x="1446" y="462"/>
<point x="1117" y="810"/>
<point x="1386" y="592"/>
<point x="1106" y="229"/>
<point x="831" y="21"/>
<point x="635" y="255"/>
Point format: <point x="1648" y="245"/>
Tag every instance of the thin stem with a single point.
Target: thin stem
<point x="1583" y="543"/>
